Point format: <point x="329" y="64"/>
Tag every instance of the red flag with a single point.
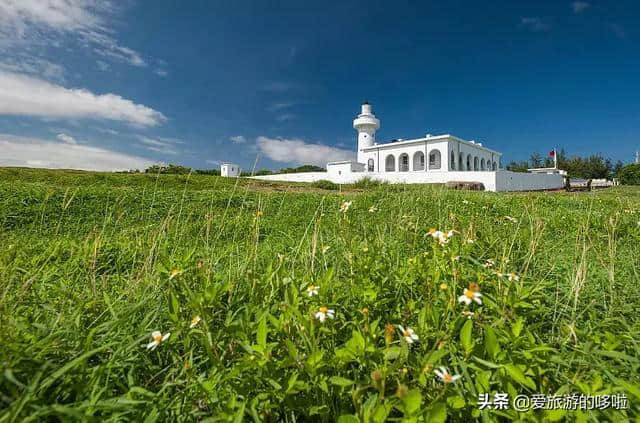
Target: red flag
<point x="552" y="153"/>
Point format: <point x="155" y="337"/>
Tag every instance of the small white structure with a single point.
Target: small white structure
<point x="229" y="170"/>
<point x="549" y="170"/>
<point x="428" y="159"/>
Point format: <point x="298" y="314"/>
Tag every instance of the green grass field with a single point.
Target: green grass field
<point x="91" y="264"/>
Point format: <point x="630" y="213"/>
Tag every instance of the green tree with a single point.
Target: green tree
<point x="303" y="168"/>
<point x="536" y="160"/>
<point x="168" y="169"/>
<point x="617" y="167"/>
<point x="630" y="174"/>
<point x="521" y="166"/>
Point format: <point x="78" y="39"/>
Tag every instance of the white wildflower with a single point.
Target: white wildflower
<point x="442" y="237"/>
<point x="408" y="334"/>
<point x="158" y="338"/>
<point x="312" y="290"/>
<point x="469" y="296"/>
<point x="323" y="313"/>
<point x="444" y="375"/>
<point x="488" y="263"/>
<point x="345" y="206"/>
<point x="194" y="322"/>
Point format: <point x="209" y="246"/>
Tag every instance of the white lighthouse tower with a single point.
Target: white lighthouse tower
<point x="366" y="124"/>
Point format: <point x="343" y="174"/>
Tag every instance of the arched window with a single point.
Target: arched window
<point x="370" y="166"/>
<point x="475" y="163"/>
<point x="434" y="159"/>
<point x="403" y="162"/>
<point x="418" y="161"/>
<point x="390" y="163"/>
<point x="469" y="165"/>
<point x="495" y="166"/>
<point x="453" y="161"/>
<point x="482" y="165"/>
<point x="461" y="161"/>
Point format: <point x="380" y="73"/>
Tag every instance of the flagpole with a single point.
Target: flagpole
<point x="555" y="159"/>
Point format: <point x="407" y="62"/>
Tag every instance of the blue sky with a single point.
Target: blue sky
<point x="115" y="85"/>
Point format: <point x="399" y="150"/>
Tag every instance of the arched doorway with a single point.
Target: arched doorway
<point x="403" y="162"/>
<point x="390" y="163"/>
<point x="435" y="161"/>
<point x="418" y="161"/>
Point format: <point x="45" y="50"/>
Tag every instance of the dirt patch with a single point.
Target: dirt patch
<point x="297" y="188"/>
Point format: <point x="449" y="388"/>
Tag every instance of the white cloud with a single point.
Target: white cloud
<point x="238" y="139"/>
<point x="213" y="162"/>
<point x="281" y="105"/>
<point x="106" y="130"/>
<point x="299" y="152"/>
<point x="285" y="116"/>
<point x="33" y="152"/>
<point x="103" y="66"/>
<point x="108" y="48"/>
<point x="579" y="6"/>
<point x="43" y="21"/>
<point x="33" y="66"/>
<point x="535" y="24"/>
<point x="27" y="96"/>
<point x="161" y="72"/>
<point x="160" y="144"/>
<point x="66" y="138"/>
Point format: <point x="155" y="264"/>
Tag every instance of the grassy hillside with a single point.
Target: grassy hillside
<point x="91" y="264"/>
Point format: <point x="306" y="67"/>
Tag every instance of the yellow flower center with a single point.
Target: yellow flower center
<point x="447" y="378"/>
<point x="323" y="310"/>
<point x="469" y="294"/>
<point x="158" y="338"/>
<point x="406" y="333"/>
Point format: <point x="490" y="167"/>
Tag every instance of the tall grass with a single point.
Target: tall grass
<point x="91" y="264"/>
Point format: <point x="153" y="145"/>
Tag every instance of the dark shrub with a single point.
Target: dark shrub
<point x="324" y="184"/>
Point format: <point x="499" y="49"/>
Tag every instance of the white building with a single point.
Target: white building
<point x="445" y="152"/>
<point x="229" y="169"/>
<point x="429" y="159"/>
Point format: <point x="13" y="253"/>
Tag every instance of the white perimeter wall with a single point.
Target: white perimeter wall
<point x="493" y="181"/>
<point x="518" y="181"/>
<point x="297" y="177"/>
